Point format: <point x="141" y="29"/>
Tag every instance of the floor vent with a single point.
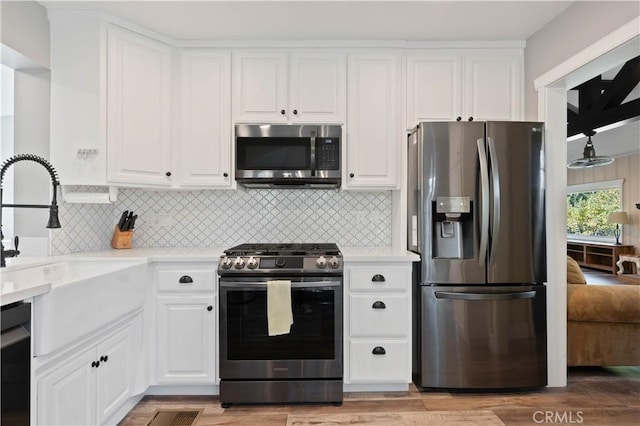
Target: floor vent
<point x="174" y="418"/>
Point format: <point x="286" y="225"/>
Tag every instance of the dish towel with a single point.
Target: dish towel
<point x="279" y="314"/>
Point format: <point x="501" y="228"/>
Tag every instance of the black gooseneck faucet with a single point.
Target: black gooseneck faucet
<point x="54" y="221"/>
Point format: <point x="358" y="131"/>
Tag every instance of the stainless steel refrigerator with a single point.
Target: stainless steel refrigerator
<point x="476" y="216"/>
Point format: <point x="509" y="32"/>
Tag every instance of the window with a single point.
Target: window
<point x="588" y="207"/>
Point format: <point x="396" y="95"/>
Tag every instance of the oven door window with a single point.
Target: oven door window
<point x="273" y="153"/>
<point x="312" y="334"/>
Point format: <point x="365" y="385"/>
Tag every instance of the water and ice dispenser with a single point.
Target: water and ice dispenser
<point x="452" y="228"/>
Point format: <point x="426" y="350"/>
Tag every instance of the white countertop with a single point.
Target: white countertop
<point x="13" y="291"/>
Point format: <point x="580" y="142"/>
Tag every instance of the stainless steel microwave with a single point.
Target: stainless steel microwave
<point x="288" y="156"/>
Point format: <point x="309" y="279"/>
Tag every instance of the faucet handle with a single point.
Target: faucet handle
<point x="16" y="241"/>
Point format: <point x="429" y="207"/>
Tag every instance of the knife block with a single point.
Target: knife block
<point x="121" y="239"/>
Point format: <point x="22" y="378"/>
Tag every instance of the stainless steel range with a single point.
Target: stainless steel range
<point x="301" y="365"/>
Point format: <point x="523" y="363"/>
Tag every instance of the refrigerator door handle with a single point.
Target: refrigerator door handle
<point x="495" y="186"/>
<point x="484" y="209"/>
<point x="485" y="296"/>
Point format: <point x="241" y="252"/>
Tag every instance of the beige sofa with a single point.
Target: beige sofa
<point x="603" y="321"/>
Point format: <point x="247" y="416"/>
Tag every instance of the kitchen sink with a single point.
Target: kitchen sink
<point x="85" y="296"/>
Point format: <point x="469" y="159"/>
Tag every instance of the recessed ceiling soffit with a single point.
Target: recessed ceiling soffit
<point x="600" y="101"/>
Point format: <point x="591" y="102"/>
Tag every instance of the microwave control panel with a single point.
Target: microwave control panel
<point x="327" y="154"/>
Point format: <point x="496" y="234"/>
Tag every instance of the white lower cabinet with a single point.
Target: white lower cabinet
<point x="88" y="387"/>
<point x="186" y="336"/>
<point x="186" y="324"/>
<point x="378" y="323"/>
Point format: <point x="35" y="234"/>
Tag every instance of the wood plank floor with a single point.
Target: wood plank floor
<point x="594" y="396"/>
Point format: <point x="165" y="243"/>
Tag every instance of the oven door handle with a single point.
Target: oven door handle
<point x="263" y="284"/>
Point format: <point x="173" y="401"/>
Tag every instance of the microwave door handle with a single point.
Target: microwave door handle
<point x="313" y="152"/>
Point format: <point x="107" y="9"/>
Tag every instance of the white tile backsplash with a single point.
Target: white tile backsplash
<point x="225" y="218"/>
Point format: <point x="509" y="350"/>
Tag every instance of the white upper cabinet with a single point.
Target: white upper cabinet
<point x="374" y="134"/>
<point x="138" y="109"/>
<point x="205" y="119"/>
<point x="493" y="86"/>
<point x="434" y="87"/>
<point x="447" y="85"/>
<point x="296" y="87"/>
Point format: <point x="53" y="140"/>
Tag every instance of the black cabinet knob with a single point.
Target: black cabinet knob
<point x="282" y="111"/>
<point x="168" y="174"/>
<point x="458" y="118"/>
<point x="377" y="278"/>
<point x="470" y="118"/>
<point x="351" y="175"/>
<point x="185" y="279"/>
<point x="225" y="174"/>
<point x="378" y="304"/>
<point x="378" y="350"/>
<point x="104" y="358"/>
<point x="95" y="364"/>
<point x="209" y="308"/>
<point x="295" y="112"/>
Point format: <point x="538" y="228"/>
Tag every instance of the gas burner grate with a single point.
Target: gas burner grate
<point x="292" y="249"/>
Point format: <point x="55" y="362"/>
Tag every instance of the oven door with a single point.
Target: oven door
<point x="312" y="349"/>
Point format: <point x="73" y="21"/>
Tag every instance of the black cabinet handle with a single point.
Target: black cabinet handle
<point x="458" y="118"/>
<point x="225" y="174"/>
<point x="378" y="350"/>
<point x="351" y="175"/>
<point x="377" y="278"/>
<point x="282" y="111"/>
<point x="95" y="364"/>
<point x="168" y="174"/>
<point x="470" y="118"/>
<point x="295" y="112"/>
<point x="379" y="305"/>
<point x="104" y="358"/>
<point x="185" y="279"/>
<point x="209" y="308"/>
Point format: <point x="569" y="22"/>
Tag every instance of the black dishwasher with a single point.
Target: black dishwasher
<point x="16" y="363"/>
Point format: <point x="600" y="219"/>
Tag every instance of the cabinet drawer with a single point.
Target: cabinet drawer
<point x="379" y="279"/>
<point x="394" y="365"/>
<point x="189" y="278"/>
<point x="379" y="315"/>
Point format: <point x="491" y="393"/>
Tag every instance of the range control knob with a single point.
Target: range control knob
<point x="252" y="263"/>
<point x="321" y="262"/>
<point x="238" y="263"/>
<point x="334" y="262"/>
<point x="280" y="262"/>
<point x="226" y="263"/>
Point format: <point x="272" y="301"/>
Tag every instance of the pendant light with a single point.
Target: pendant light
<point x="589" y="157"/>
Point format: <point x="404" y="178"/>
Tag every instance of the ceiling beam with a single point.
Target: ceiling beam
<point x="584" y="123"/>
<point x="600" y="101"/>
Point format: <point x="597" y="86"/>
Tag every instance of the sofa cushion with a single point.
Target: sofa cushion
<point x="603" y="303"/>
<point x="574" y="273"/>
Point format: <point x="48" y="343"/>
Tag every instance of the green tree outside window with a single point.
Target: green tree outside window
<point x="587" y="212"/>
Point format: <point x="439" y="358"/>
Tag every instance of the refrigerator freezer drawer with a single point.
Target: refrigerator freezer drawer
<point x="483" y="337"/>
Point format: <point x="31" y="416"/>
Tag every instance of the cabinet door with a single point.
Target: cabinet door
<point x="317" y="88"/>
<point x="374" y="136"/>
<point x="186" y="339"/>
<point x="378" y="315"/>
<point x="138" y="109"/>
<point x="260" y="87"/>
<point x="116" y="372"/>
<point x="493" y="84"/>
<point x="66" y="395"/>
<point x="379" y="361"/>
<point x="434" y="87"/>
<point x="205" y="144"/>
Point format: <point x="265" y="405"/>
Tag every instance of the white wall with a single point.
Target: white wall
<point x="25" y="29"/>
<point x="578" y="27"/>
<point x="25" y="47"/>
